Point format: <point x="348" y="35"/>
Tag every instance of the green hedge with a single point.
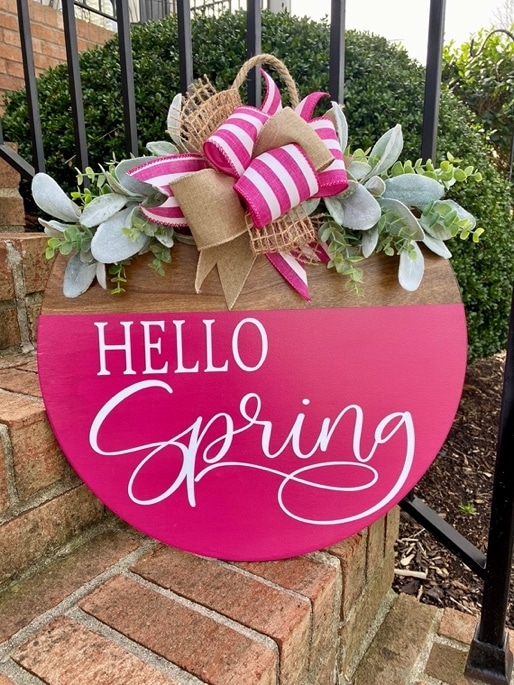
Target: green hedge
<point x="382" y="87"/>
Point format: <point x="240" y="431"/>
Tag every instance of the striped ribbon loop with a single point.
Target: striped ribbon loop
<point x="275" y="182"/>
<point x="229" y="149"/>
<point x="159" y="173"/>
<point x="332" y="180"/>
<point x="272" y="101"/>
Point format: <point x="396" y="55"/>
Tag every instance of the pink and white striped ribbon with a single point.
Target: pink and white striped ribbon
<point x="275" y="182"/>
<point x="229" y="149"/>
<point x="272" y="101"/>
<point x="292" y="271"/>
<point x="159" y="173"/>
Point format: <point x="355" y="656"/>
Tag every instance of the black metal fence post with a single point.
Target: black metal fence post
<point x="127" y="77"/>
<point x="36" y="134"/>
<point x="337" y="44"/>
<point x="433" y="79"/>
<point x="490" y="657"/>
<point x="185" y="44"/>
<point x="75" y="83"/>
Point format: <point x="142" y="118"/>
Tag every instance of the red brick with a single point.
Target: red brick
<point x="9" y="178"/>
<point x="36" y="267"/>
<point x="457" y="626"/>
<point x="215" y="653"/>
<point x="271" y="611"/>
<point x="38" y="460"/>
<point x="6" y="279"/>
<point x="66" y="652"/>
<point x="351" y="554"/>
<point x="12" y="211"/>
<point x="375" y="548"/>
<point x="42" y="530"/>
<point x="4" y="680"/>
<point x="22" y="602"/>
<point x="318" y="583"/>
<point x="33" y="305"/>
<point x="10" y="337"/>
<point x="11" y="37"/>
<point x="447" y="664"/>
<point x="392" y="527"/>
<point x="4" y="493"/>
<point x="20" y="381"/>
<point x="9" y="21"/>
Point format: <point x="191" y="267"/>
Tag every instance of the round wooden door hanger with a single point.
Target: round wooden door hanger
<point x="264" y="432"/>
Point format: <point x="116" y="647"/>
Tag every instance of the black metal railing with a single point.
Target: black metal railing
<point x="489" y="658"/>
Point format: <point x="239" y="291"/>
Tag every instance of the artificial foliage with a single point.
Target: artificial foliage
<point x="383" y="87"/>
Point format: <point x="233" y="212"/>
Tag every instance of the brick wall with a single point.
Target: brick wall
<point x="24" y="271"/>
<point x="47" y="41"/>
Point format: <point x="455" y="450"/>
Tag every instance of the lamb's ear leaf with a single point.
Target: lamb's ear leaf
<point x="411" y="268"/>
<point x="78" y="276"/>
<point x="386" y="150"/>
<point x="110" y="244"/>
<point x="413" y="190"/>
<point x="102" y="208"/>
<point x="51" y="198"/>
<point x="437" y="246"/>
<point x="369" y="241"/>
<point x="341" y="125"/>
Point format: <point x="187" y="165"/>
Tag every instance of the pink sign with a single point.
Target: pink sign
<point x="253" y="435"/>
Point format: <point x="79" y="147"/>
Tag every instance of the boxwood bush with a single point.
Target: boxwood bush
<point x="383" y="86"/>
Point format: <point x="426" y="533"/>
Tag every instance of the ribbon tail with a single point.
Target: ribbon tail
<point x="234" y="261"/>
<point x="292" y="271"/>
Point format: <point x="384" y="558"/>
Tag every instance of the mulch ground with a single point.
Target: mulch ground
<point x="458" y="486"/>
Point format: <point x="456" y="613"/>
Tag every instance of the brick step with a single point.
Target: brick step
<point x="117" y="608"/>
<point x="418" y="644"/>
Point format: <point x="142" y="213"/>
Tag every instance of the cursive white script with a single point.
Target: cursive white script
<point x="200" y="453"/>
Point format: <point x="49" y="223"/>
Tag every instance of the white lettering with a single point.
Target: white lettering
<point x="149" y="346"/>
<point x="125" y="346"/>
<point x="202" y="447"/>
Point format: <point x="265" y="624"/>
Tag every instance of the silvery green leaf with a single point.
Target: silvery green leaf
<point x="341" y="125"/>
<point x="358" y="170"/>
<point x="386" y="150"/>
<point x="413" y="190"/>
<point x="411" y="268"/>
<point x="310" y="206"/>
<point x="361" y="210"/>
<point x="77" y="276"/>
<point x="165" y="239"/>
<point x="369" y="241"/>
<point x="375" y="185"/>
<point x="116" y="186"/>
<point x="51" y="198"/>
<point x="437" y="246"/>
<point x="334" y="207"/>
<point x="161" y="148"/>
<point x="54" y="228"/>
<point x="101" y="275"/>
<point x="132" y="185"/>
<point x="403" y="212"/>
<point x="102" y="208"/>
<point x="173" y="120"/>
<point x="111" y="245"/>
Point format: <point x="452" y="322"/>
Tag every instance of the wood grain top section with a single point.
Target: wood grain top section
<point x="264" y="289"/>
